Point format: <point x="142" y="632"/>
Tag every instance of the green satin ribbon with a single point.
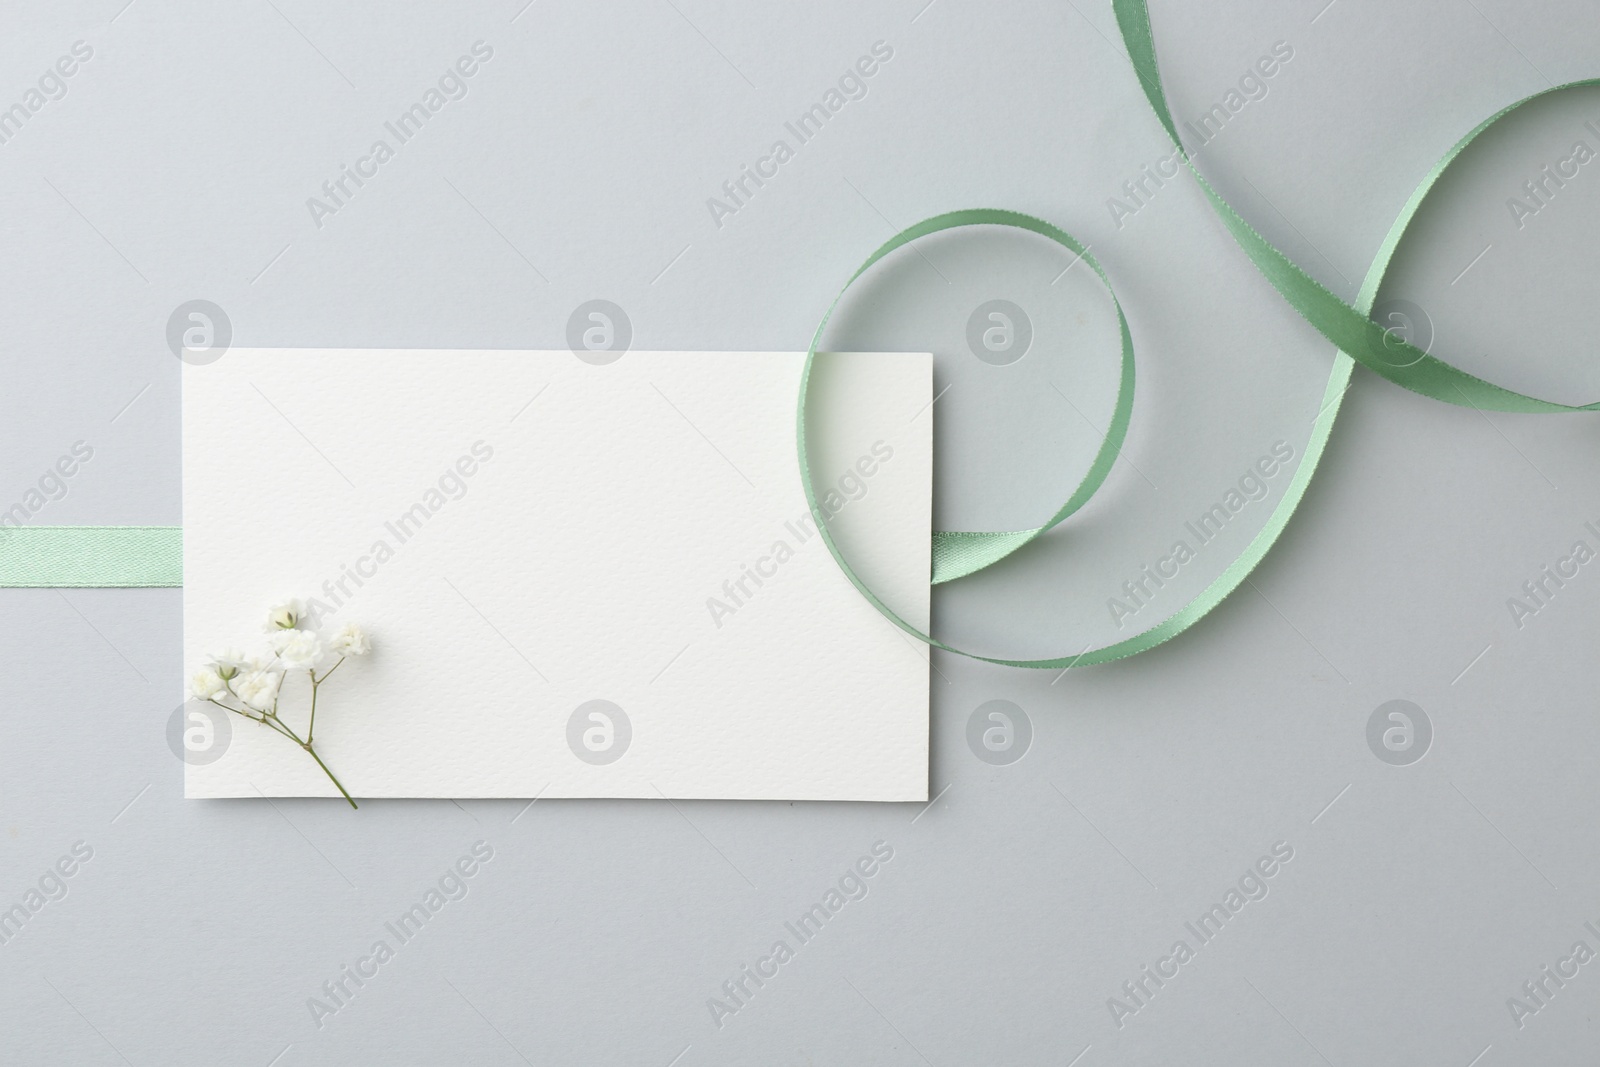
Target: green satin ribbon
<point x="1348" y="326"/>
<point x="91" y="556"/>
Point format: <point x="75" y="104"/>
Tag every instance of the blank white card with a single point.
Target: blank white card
<point x="579" y="580"/>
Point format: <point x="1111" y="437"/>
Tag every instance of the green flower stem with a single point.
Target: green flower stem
<point x="311" y="727"/>
<point x="329" y="672"/>
<point x="261" y="719"/>
<point x="331" y="778"/>
<point x="270" y="718"/>
<point x="315" y="681"/>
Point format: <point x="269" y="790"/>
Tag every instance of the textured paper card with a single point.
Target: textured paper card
<point x="524" y="533"/>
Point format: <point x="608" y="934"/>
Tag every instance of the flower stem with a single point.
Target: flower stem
<point x="329" y="672"/>
<point x="270" y="718"/>
<point x="259" y="718"/>
<point x="331" y="778"/>
<point x="312" y="727"/>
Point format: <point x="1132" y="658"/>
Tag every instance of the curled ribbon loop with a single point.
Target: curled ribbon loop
<point x="1348" y="326"/>
<point x="958" y="553"/>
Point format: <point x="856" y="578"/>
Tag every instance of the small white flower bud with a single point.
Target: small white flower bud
<point x="283" y="616"/>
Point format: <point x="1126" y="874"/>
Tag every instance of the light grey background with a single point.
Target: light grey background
<point x="1419" y="898"/>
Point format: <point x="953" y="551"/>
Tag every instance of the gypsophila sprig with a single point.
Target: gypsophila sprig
<point x="252" y="686"/>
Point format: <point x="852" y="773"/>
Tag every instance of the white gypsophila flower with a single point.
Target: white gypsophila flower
<point x="351" y="640"/>
<point x="283" y="615"/>
<point x="259" y="689"/>
<point x="299" y="650"/>
<point x="206" y="683"/>
<point x="228" y="663"/>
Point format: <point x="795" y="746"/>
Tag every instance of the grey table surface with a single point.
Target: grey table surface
<point x="1428" y="884"/>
